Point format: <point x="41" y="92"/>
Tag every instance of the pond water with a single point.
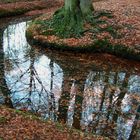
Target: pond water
<point x="87" y="92"/>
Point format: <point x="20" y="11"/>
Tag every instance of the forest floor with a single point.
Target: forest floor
<point x="29" y="8"/>
<point x="125" y="16"/>
<point x="19" y="125"/>
<point x="15" y="124"/>
<point x="121" y="29"/>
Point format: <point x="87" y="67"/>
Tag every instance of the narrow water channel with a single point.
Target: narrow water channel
<point x="83" y="91"/>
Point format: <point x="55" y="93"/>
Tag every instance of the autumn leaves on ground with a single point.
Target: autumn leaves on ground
<point x="113" y="28"/>
<point x="29" y="8"/>
<point x="17" y="125"/>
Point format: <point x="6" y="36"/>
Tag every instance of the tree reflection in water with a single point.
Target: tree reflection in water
<point x="4" y="90"/>
<point x="81" y="91"/>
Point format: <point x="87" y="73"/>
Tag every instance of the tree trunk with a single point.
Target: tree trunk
<point x="3" y="85"/>
<point x="84" y="6"/>
<point x="69" y="21"/>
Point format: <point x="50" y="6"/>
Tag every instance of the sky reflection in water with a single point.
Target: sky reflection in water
<point x="70" y="90"/>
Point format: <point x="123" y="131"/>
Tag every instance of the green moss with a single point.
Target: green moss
<point x="102" y="13"/>
<point x="102" y="46"/>
<point x="62" y="128"/>
<point x="27" y="114"/>
<point x="29" y="34"/>
<point x="59" y="126"/>
<point x="67" y="24"/>
<point x="3" y="119"/>
<point x="64" y="24"/>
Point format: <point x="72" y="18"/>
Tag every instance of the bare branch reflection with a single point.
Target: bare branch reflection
<point x="83" y="93"/>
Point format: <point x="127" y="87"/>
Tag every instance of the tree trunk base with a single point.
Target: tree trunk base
<point x="66" y="24"/>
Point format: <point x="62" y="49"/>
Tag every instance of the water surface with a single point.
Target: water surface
<point x="88" y="92"/>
